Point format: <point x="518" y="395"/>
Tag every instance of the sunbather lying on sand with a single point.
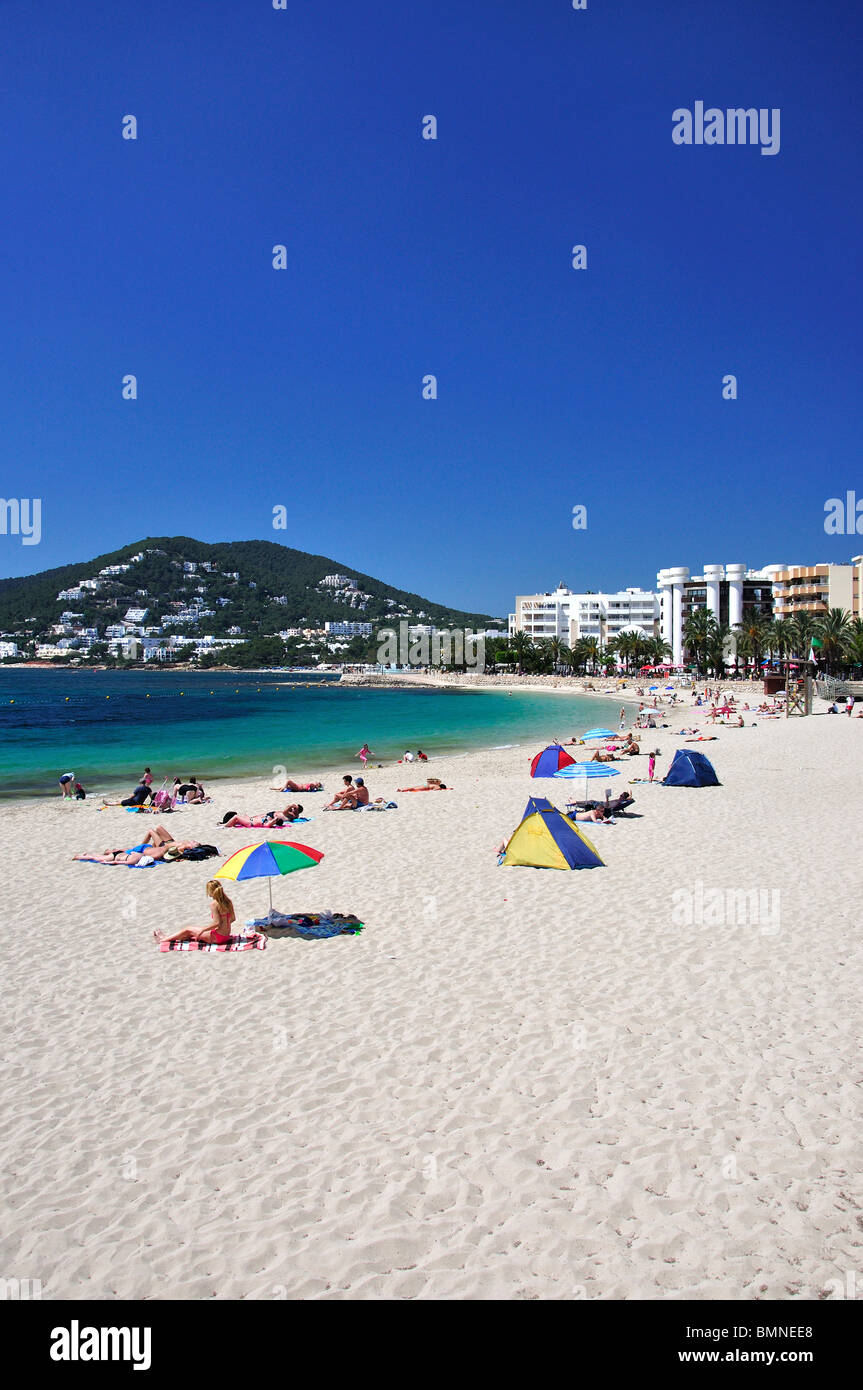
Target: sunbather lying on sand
<point x="434" y="784"/>
<point x="164" y="850"/>
<point x="264" y="822"/>
<point x="291" y="786"/>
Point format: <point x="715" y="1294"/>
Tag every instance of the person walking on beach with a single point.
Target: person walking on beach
<point x="849" y="706"/>
<point x="364" y="753"/>
<point x="222" y="916"/>
<point x="651" y="766"/>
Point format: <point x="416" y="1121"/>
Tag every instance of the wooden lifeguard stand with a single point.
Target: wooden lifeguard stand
<point x="798" y="694"/>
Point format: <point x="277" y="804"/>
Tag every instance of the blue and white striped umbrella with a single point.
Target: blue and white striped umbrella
<point x="588" y="770"/>
<point x="599" y="733"/>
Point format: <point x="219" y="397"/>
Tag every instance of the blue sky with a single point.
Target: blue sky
<point x="405" y="257"/>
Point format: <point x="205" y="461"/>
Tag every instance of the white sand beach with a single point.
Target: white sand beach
<point x="515" y="1084"/>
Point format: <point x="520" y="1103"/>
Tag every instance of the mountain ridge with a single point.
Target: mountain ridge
<point x="268" y="571"/>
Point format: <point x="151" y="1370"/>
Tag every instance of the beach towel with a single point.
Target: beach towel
<point x="314" y="925"/>
<point x="287" y="825"/>
<point x="609" y="821"/>
<point x="143" y="863"/>
<point x="235" y="943"/>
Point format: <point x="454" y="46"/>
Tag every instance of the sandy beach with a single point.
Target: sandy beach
<point x="514" y="1084"/>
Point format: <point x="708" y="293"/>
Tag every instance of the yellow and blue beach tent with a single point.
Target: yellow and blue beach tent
<point x="547" y="839"/>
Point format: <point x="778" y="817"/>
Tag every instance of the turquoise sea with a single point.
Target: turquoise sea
<point x="107" y="726"/>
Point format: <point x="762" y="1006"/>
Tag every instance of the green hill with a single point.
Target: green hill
<point x="267" y="571"/>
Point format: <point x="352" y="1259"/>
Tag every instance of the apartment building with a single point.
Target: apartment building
<point x="571" y="617"/>
<point x="814" y="589"/>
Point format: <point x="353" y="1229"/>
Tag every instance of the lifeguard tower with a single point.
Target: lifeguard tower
<point x="798" y="693"/>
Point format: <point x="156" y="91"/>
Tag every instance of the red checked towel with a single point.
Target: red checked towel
<point x="257" y="942"/>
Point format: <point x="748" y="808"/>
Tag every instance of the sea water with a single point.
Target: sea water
<point x="106" y="726"/>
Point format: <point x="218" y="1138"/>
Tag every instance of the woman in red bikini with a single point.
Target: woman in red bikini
<point x="222" y="915"/>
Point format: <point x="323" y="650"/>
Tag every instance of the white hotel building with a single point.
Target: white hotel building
<point x="723" y="589"/>
<point x="571" y="617"/>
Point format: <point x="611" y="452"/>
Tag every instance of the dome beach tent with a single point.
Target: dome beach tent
<point x="690" y="769"/>
<point x="547" y="839"/>
<point x="548" y="762"/>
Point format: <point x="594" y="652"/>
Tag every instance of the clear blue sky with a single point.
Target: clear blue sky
<point x="406" y="256"/>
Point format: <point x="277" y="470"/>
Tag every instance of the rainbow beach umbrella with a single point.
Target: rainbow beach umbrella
<point x="269" y="859"/>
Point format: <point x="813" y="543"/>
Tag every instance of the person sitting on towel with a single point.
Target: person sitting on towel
<point x="139" y="796"/>
<point x="347" y="797"/>
<point x="222" y="915"/>
<point x="362" y="796"/>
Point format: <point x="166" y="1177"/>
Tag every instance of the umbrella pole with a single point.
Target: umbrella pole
<point x="270" y="886"/>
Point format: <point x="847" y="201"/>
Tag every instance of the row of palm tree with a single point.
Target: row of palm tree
<point x="713" y="646"/>
<point x="552" y="656"/>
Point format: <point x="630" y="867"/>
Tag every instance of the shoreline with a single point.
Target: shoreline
<point x="479" y="739"/>
<point x="247" y="783"/>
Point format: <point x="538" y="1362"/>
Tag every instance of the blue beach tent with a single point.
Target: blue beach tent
<point x="690" y="769"/>
<point x="549" y="761"/>
<point x="547" y="839"/>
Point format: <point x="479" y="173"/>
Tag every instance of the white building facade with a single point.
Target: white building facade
<point x="725" y="590"/>
<point x="572" y="617"/>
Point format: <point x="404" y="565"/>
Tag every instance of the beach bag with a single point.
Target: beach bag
<point x="200" y="852"/>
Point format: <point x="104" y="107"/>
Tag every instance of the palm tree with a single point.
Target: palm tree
<point x="520" y="646"/>
<point x="557" y="652"/>
<point x="803" y="628"/>
<point x="752" y="635"/>
<point x="854" y="642"/>
<point x="590" y="652"/>
<point x="780" y="637"/>
<point x="623" y="645"/>
<point x="568" y="659"/>
<point x="833" y="631"/>
<point x="699" y="631"/>
<point x="720" y="648"/>
<point x="656" y="650"/>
